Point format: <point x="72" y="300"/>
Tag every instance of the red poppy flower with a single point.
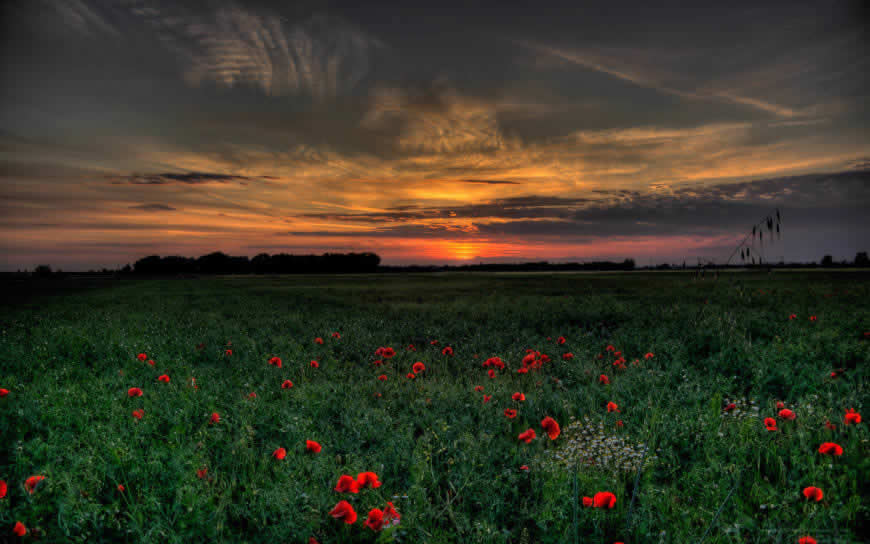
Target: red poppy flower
<point x="604" y="499"/>
<point x="523" y="370"/>
<point x="612" y="407"/>
<point x="276" y="361"/>
<point x="780" y="405"/>
<point x="830" y="448"/>
<point x="852" y="417"/>
<point x="527" y="436"/>
<point x="201" y="473"/>
<point x="830" y="426"/>
<point x="141" y="356"/>
<point x="411" y="347"/>
<point x="391" y="517"/>
<point x="529" y="359"/>
<point x="418" y="367"/>
<point x="369" y="479"/>
<point x="346" y="484"/>
<point x="382" y="377"/>
<point x="519" y="397"/>
<point x="215" y="418"/>
<point x="807" y="540"/>
<point x="620" y="424"/>
<point x="604" y="379"/>
<point x="314" y="364"/>
<point x="31" y="482"/>
<point x="561" y="340"/>
<point x="551" y="427"/>
<point x="617" y="353"/>
<point x="567" y="356"/>
<point x="587" y="501"/>
<point x="813" y="493"/>
<point x="344" y="511"/>
<point x="433" y="343"/>
<point x="312" y="446"/>
<point x="792" y="316"/>
<point x="286" y="384"/>
<point x="134" y="392"/>
<point x="3" y="488"/>
<point x="252" y="395"/>
<point x="163" y="378"/>
<point x="410" y="375"/>
<point x="486" y="398"/>
<point x="377" y="362"/>
<point x="336" y="335"/>
<point x="121" y="488"/>
<point x="610" y="348"/>
<point x="730" y="407"/>
<point x="494" y="361"/>
<point x="491" y="373"/>
<point x="387" y="353"/>
<point x="478" y="388"/>
<point x="375" y="521"/>
<point x="447" y="351"/>
<point x="19" y="529"/>
<point x="318" y="340"/>
<point x="510" y="413"/>
<point x="770" y="423"/>
<point x="785" y="413"/>
<point x="648" y="355"/>
<point x="813" y="318"/>
<point x="279" y="454"/>
<point x="312" y="540"/>
<point x="151" y="362"/>
<point x="138" y="413"/>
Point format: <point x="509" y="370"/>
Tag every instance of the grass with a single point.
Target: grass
<point x="449" y="462"/>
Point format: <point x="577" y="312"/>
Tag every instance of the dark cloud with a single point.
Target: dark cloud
<point x="514" y="207"/>
<point x="153" y="207"/>
<point x="491" y="181"/>
<point x="815" y="202"/>
<point x="190" y="178"/>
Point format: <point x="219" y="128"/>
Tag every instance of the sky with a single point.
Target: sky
<point x="466" y="132"/>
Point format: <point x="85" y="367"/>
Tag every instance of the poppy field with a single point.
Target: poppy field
<point x="437" y="408"/>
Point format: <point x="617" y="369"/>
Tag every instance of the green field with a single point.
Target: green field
<point x="449" y="462"/>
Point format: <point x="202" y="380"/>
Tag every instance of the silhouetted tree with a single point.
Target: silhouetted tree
<point x="827" y="260"/>
<point x="42" y="271"/>
<point x="861" y="259"/>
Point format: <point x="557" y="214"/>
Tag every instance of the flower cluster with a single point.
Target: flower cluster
<point x="590" y="444"/>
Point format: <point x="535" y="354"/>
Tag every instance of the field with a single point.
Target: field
<point x="683" y="464"/>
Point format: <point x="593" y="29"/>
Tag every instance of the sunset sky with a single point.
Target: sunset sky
<point x="468" y="132"/>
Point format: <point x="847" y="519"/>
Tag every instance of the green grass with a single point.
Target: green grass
<point x="449" y="462"/>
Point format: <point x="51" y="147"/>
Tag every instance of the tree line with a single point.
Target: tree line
<point x="281" y="263"/>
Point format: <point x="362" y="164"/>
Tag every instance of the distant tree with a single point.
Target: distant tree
<point x="42" y="271"/>
<point x="861" y="259"/>
<point x="827" y="260"/>
<point x="127" y="269"/>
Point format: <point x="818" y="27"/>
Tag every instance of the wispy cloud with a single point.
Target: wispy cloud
<point x="655" y="77"/>
<point x="86" y="19"/>
<point x="322" y="56"/>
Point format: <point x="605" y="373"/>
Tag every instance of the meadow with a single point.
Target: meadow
<point x="662" y="403"/>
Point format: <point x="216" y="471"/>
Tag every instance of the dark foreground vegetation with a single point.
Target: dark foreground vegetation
<point x="693" y="368"/>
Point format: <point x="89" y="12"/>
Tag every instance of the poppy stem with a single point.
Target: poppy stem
<point x="722" y="506"/>
<point x="634" y="489"/>
<point x="574" y="503"/>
